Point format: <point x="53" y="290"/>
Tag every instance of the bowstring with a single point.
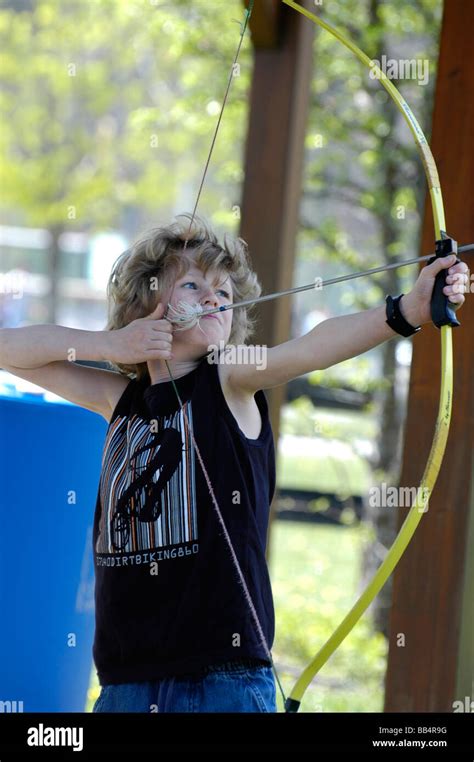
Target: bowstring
<point x="248" y="13"/>
<point x="235" y="561"/>
<point x="230" y="546"/>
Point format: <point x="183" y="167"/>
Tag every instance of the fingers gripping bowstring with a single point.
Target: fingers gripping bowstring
<point x="192" y="319"/>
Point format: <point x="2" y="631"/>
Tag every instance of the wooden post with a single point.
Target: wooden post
<point x="283" y="44"/>
<point x="430" y="662"/>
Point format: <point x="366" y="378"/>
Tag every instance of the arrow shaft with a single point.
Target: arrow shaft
<point x="318" y="285"/>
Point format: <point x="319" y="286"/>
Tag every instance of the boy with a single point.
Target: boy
<point x="184" y="611"/>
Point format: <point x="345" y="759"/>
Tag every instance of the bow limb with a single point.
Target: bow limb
<point x="438" y="445"/>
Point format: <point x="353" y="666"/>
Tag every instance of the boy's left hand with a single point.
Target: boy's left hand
<point x="416" y="305"/>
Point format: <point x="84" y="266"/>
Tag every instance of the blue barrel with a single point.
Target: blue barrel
<point x="50" y="458"/>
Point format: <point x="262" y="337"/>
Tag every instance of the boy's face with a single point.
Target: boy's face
<point x="210" y="290"/>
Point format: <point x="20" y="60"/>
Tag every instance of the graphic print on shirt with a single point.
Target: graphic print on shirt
<point x="147" y="486"/>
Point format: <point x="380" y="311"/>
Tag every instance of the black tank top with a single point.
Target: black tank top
<point x="167" y="597"/>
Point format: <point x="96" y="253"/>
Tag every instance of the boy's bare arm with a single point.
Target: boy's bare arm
<point x="331" y="342"/>
<point x="45" y="355"/>
<point x="92" y="388"/>
<point x="341" y="338"/>
<point x="33" y="346"/>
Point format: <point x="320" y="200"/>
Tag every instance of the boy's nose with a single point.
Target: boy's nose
<point x="210" y="298"/>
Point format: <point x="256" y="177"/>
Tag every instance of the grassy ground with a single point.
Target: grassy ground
<point x="315" y="575"/>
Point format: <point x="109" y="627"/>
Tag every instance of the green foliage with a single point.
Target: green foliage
<point x="113" y="107"/>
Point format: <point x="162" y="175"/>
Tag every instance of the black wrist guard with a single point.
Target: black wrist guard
<point x="395" y="319"/>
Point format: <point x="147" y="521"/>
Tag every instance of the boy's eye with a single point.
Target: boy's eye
<point x="193" y="284"/>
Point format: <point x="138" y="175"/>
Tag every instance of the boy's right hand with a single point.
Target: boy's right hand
<point x="148" y="338"/>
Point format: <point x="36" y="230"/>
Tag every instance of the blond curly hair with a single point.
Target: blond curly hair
<point x="159" y="258"/>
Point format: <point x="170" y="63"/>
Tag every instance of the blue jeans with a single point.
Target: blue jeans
<point x="234" y="687"/>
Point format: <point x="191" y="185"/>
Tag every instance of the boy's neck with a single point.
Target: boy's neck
<point x="159" y="372"/>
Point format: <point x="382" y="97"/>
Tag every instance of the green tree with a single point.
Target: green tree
<point x="107" y="113"/>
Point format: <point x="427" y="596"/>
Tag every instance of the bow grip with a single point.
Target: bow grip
<point x="442" y="311"/>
